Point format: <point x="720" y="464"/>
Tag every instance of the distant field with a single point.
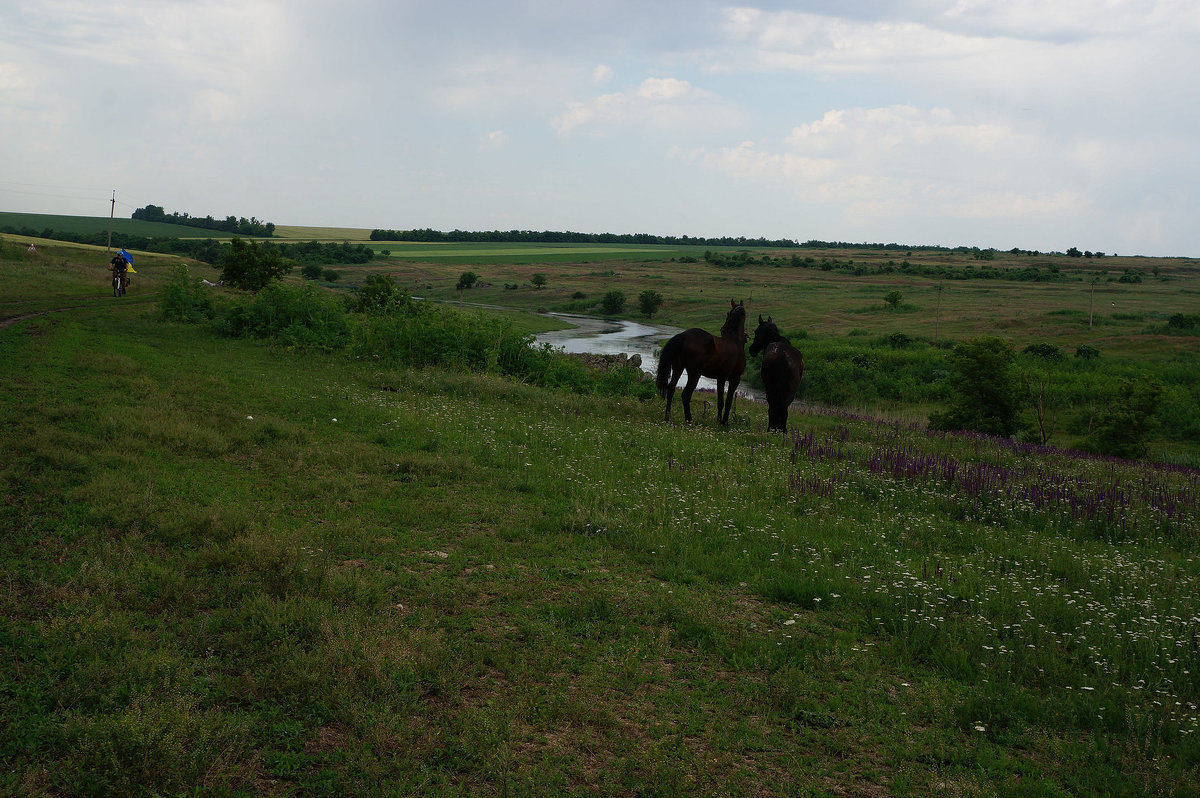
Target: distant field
<point x="99" y="224"/>
<point x="354" y="235"/>
<point x="516" y="254"/>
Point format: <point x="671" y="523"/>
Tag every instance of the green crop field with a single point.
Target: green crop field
<point x="291" y="548"/>
<point x="100" y="224"/>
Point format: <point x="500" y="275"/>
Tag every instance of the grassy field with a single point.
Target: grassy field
<point x="231" y="568"/>
<point x="97" y="224"/>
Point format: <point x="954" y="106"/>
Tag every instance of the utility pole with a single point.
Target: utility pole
<point x="111" y="212"/>
<point x="937" y="319"/>
<point x="1092" y="299"/>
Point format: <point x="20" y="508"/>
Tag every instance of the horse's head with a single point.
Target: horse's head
<point x="765" y="333"/>
<point x="735" y="321"/>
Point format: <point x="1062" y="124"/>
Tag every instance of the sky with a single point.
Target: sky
<point x="991" y="123"/>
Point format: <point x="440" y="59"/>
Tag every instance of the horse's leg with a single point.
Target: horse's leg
<point x="773" y="414"/>
<point x="693" y="379"/>
<point x="733" y="384"/>
<point x="720" y="399"/>
<point x="670" y="393"/>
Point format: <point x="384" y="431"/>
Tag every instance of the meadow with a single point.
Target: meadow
<point x="247" y="566"/>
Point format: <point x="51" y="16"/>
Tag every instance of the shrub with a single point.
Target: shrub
<point x="612" y="303"/>
<point x="1127" y="420"/>
<point x="249" y="266"/>
<point x="1044" y="351"/>
<point x="1182" y="321"/>
<point x="1087" y="352"/>
<point x="298" y="316"/>
<point x="378" y="295"/>
<point x="311" y="271"/>
<point x="985" y="394"/>
<point x="185" y="299"/>
<point x="649" y="301"/>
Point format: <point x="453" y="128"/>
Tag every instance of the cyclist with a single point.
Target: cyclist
<point x="120" y="269"/>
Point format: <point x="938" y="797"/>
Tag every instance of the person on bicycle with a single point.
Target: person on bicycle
<point x="120" y="268"/>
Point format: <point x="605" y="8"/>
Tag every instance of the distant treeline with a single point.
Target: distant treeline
<point x="428" y="235"/>
<point x="207" y="250"/>
<point x="863" y="268"/>
<point x="552" y="237"/>
<point x="230" y="224"/>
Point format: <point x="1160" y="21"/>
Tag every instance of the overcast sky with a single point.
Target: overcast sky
<point x="1040" y="124"/>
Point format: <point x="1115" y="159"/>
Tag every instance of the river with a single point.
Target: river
<point x="616" y="336"/>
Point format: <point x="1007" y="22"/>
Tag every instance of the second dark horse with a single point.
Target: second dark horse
<point x="702" y="354"/>
<point x="782" y="370"/>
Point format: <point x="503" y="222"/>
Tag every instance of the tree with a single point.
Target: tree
<point x="467" y="280"/>
<point x="379" y="295"/>
<point x="1127" y="420"/>
<point x="613" y="303"/>
<point x="251" y="266"/>
<point x="892" y="298"/>
<point x="649" y="302"/>
<point x="538" y="280"/>
<point x="985" y="394"/>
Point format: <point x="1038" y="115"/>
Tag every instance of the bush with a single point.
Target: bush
<point x="249" y="266"/>
<point x="183" y="298"/>
<point x="612" y="303"/>
<point x="1127" y="421"/>
<point x="1087" y="352"/>
<point x="331" y="275"/>
<point x="985" y="394"/>
<point x="297" y="316"/>
<point x="1182" y="321"/>
<point x="649" y="302"/>
<point x="379" y="295"/>
<point x="1045" y="351"/>
<point x="311" y="271"/>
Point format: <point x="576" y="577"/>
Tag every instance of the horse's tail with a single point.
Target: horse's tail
<point x="662" y="378"/>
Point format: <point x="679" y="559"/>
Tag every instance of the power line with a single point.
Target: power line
<point x="56" y="196"/>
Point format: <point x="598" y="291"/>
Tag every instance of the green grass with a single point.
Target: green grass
<point x="100" y="224"/>
<point x="233" y="569"/>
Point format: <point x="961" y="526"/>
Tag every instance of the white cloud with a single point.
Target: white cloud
<point x="495" y="140"/>
<point x="904" y="160"/>
<point x="656" y="102"/>
<point x="602" y="74"/>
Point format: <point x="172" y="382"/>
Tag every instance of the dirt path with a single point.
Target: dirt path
<point x="34" y="314"/>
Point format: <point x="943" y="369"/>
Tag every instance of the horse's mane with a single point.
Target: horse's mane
<point x="736" y="320"/>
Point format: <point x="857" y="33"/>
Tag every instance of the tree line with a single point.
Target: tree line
<point x="230" y="224"/>
<point x="207" y="250"/>
<point x="428" y="235"/>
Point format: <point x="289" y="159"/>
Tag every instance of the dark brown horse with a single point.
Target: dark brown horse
<point x="782" y="369"/>
<point x="701" y="354"/>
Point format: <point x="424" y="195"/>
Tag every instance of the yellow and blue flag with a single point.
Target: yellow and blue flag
<point x="128" y="259"/>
